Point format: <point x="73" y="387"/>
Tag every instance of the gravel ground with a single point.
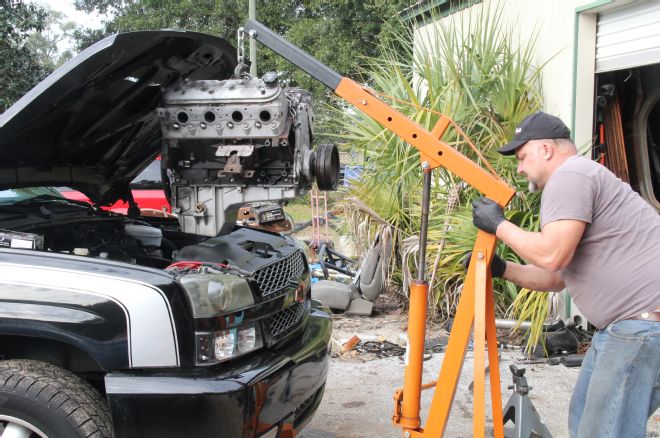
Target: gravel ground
<point x="358" y="400"/>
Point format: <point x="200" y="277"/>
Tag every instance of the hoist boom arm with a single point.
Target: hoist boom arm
<point x="432" y="150"/>
<point x="475" y="309"/>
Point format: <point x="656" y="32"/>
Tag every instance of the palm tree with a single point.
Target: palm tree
<point x="469" y="67"/>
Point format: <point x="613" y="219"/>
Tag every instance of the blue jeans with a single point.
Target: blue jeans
<point x="618" y="388"/>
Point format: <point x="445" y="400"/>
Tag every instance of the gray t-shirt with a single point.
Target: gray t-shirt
<point x="615" y="272"/>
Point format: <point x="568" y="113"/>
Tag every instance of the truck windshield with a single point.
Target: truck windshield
<point x="12" y="196"/>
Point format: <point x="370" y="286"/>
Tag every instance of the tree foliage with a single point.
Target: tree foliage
<point x="339" y="33"/>
<point x="45" y="44"/>
<point x="20" y="68"/>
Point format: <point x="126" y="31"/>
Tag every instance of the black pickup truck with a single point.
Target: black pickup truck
<point x="133" y="326"/>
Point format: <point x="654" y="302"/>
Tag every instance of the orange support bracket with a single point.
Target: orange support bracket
<point x="476" y="305"/>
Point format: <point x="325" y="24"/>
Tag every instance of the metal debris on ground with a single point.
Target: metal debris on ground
<point x="381" y="349"/>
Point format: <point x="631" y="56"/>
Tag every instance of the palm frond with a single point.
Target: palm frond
<point x="470" y="67"/>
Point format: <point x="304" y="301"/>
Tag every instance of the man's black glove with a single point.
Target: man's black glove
<point x="487" y="214"/>
<point x="497" y="266"/>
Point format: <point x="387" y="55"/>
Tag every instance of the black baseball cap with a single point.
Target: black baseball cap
<point x="535" y="127"/>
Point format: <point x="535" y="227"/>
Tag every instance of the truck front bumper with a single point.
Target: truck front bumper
<point x="269" y="392"/>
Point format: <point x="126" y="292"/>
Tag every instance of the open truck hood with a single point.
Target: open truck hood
<point x="92" y="123"/>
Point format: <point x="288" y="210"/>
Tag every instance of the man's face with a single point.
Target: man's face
<point x="531" y="163"/>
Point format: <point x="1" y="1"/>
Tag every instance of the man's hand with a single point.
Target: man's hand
<point x="497" y="266"/>
<point x="487" y="215"/>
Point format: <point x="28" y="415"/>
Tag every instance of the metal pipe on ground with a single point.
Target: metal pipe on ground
<point x="511" y="323"/>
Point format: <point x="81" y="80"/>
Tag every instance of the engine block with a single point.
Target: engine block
<point x="227" y="143"/>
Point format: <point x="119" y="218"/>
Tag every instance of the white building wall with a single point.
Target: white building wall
<point x="564" y="73"/>
<point x="554" y="21"/>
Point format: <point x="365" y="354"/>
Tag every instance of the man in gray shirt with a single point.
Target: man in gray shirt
<point x="601" y="241"/>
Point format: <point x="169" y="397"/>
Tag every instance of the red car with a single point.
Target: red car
<point x="147" y="191"/>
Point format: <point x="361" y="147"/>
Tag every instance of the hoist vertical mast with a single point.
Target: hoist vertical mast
<point x="476" y="305"/>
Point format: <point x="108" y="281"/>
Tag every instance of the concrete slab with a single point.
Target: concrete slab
<point x="358" y="400"/>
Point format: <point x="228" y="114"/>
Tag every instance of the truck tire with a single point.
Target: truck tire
<point x="41" y="400"/>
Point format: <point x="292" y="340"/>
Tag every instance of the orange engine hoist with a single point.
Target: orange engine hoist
<point x="475" y="311"/>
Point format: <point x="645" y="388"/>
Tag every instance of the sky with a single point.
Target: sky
<point x="81" y="18"/>
<point x="67" y="8"/>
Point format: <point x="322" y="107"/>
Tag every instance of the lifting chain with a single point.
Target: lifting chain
<point x="240" y="45"/>
<point x="241" y="69"/>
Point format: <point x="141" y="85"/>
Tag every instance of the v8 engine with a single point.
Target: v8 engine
<point x="230" y="142"/>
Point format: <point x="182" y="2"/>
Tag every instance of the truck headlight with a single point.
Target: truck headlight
<point x="214" y="293"/>
<point x="247" y="339"/>
<point x="223" y="345"/>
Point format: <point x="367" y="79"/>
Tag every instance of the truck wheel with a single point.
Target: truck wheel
<point x="42" y="400"/>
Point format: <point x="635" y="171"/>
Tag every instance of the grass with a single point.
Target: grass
<point x="299" y="212"/>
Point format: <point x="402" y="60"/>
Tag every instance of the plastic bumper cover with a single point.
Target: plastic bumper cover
<point x="249" y="398"/>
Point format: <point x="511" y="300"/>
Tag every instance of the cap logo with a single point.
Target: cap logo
<point x="518" y="130"/>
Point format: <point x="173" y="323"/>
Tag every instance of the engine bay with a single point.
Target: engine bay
<point x="112" y="238"/>
<point x="136" y="241"/>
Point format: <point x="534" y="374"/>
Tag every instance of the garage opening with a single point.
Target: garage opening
<point x="627" y="123"/>
<point x="627" y="107"/>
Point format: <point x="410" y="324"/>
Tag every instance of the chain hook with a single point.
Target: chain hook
<point x="240" y="52"/>
<point x="241" y="67"/>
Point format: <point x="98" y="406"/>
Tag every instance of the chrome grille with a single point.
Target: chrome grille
<point x="275" y="276"/>
<point x="280" y="323"/>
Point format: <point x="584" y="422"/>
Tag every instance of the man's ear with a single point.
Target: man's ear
<point x="548" y="150"/>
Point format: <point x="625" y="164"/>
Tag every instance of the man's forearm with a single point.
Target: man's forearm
<point x="551" y="249"/>
<point x="532" y="277"/>
<point x="529" y="245"/>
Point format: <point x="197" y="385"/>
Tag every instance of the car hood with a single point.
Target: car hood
<point x="92" y="123"/>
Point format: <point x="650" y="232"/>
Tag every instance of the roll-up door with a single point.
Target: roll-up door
<point x="628" y="36"/>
